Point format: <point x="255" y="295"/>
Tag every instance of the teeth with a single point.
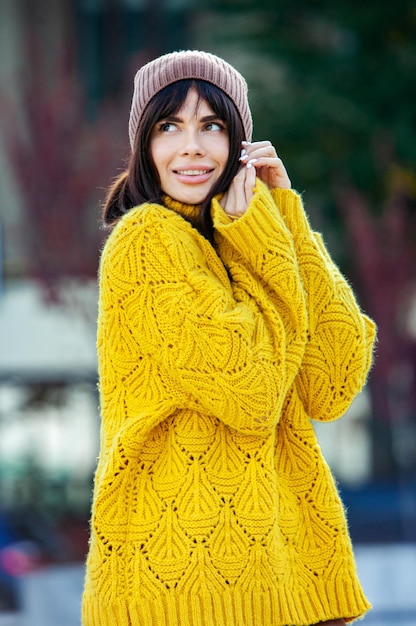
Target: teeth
<point x="192" y="172"/>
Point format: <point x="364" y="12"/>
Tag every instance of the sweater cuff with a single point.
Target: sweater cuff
<point x="289" y="203"/>
<point x="256" y="227"/>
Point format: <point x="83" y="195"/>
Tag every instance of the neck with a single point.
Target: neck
<point x="189" y="211"/>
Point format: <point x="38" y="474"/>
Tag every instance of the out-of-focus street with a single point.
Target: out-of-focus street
<point x="52" y="596"/>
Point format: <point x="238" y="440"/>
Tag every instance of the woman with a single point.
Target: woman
<point x="224" y="329"/>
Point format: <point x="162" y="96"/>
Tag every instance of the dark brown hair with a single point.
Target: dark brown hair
<point x="140" y="182"/>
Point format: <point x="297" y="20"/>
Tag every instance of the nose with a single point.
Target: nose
<point x="192" y="144"/>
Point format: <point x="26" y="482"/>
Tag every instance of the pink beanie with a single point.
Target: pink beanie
<point x="188" y="64"/>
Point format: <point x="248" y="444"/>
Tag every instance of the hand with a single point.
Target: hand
<point x="240" y="192"/>
<point x="269" y="168"/>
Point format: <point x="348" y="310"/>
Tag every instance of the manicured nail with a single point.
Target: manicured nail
<point x="243" y="153"/>
<point x="244" y="143"/>
<point x="250" y="163"/>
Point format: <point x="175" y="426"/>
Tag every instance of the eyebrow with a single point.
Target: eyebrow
<point x="206" y="118"/>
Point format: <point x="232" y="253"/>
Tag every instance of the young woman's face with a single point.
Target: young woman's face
<point x="190" y="150"/>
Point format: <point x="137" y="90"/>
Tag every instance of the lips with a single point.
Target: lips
<point x="193" y="175"/>
<point x="192" y="172"/>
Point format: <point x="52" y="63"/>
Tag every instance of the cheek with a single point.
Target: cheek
<point x="157" y="154"/>
<point x="154" y="150"/>
<point x="223" y="152"/>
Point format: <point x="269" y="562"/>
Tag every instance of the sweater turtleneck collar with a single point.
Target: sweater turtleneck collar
<point x="189" y="211"/>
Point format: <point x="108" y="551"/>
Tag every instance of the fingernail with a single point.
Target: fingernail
<point x="244" y="143"/>
<point x="250" y="163"/>
<point x="243" y="153"/>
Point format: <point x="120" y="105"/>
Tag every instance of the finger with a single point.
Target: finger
<point x="239" y="193"/>
<point x="255" y="145"/>
<point x="239" y="185"/>
<point x="229" y="204"/>
<point x="263" y="153"/>
<point x="272" y="172"/>
<point x="250" y="182"/>
<point x="257" y="149"/>
<point x="235" y="201"/>
<point x="224" y="200"/>
<point x="272" y="162"/>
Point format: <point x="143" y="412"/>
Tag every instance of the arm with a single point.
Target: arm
<point x="340" y="337"/>
<point x="206" y="339"/>
<point x="259" y="252"/>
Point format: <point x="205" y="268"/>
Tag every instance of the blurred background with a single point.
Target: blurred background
<point x="332" y="85"/>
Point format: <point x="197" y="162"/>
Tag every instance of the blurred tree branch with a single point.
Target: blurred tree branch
<point x="62" y="161"/>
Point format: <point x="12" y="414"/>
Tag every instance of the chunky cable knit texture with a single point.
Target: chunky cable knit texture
<point x="213" y="505"/>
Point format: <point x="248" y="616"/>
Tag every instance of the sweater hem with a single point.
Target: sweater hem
<point x="278" y="607"/>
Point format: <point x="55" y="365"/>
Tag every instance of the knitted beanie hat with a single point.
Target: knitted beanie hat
<point x="188" y="64"/>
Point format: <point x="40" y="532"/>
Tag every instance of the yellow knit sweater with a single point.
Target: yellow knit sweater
<point x="213" y="505"/>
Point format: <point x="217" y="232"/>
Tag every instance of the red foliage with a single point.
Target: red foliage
<point x="385" y="258"/>
<point x="62" y="162"/>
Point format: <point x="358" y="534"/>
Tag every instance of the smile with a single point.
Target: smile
<point x="192" y="172"/>
<point x="194" y="176"/>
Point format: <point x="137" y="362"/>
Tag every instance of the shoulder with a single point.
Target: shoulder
<point x="139" y="218"/>
<point x="146" y="224"/>
<point x="150" y="235"/>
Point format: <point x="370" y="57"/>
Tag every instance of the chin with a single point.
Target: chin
<point x="191" y="198"/>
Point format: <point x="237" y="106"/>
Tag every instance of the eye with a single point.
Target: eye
<point x="214" y="126"/>
<point x="167" y="127"/>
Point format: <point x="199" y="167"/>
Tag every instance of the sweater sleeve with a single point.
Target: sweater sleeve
<point x="178" y="307"/>
<point x="338" y="354"/>
<point x="259" y="253"/>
